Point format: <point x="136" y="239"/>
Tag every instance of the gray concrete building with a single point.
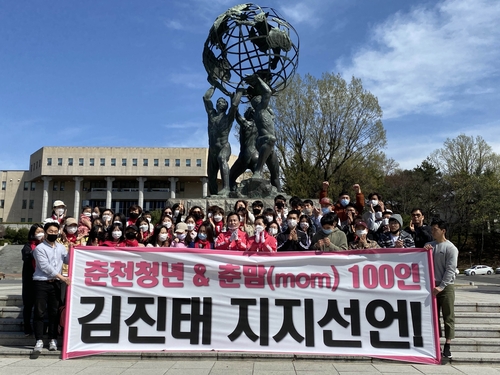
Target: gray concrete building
<point x="114" y="177"/>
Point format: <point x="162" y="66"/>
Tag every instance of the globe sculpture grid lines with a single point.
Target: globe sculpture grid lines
<point x="250" y="55"/>
<point x="249" y="39"/>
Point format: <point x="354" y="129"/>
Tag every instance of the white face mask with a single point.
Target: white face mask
<point x="88" y="214"/>
<point x="217" y="218"/>
<point x="144" y="228"/>
<point x="259" y="228"/>
<point x="378" y="215"/>
<point x="59" y="211"/>
<point x="167" y="224"/>
<point x="269" y="218"/>
<point x="106" y="217"/>
<point x="71" y="230"/>
<point x="273" y="231"/>
<point x="39" y="236"/>
<point x="304" y="225"/>
<point x="95" y="215"/>
<point x="292" y="223"/>
<point x="117" y="234"/>
<point x="374" y="202"/>
<point x="181" y="236"/>
<point x="360" y="232"/>
<point x="190" y="226"/>
<point x="162" y="237"/>
<point x="385" y="221"/>
<point x="148" y="219"/>
<point x="176" y="213"/>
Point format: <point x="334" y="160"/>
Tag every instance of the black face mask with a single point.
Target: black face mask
<point x="130" y="235"/>
<point x="134" y="215"/>
<point x="280" y="205"/>
<point x="197" y="216"/>
<point x="101" y="236"/>
<point x="257" y="211"/>
<point x="52" y="237"/>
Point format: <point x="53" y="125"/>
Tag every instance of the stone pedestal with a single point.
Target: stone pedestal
<point x="255" y="188"/>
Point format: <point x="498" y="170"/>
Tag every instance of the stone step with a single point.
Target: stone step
<point x="477" y="330"/>
<point x="477" y="318"/>
<point x="480" y="345"/>
<point x="477" y="307"/>
<point x="11" y="312"/>
<point x="16" y="300"/>
<point x="11" y="325"/>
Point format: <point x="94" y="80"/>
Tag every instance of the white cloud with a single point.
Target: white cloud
<point x="419" y="62"/>
<point x="190" y="80"/>
<point x="176" y="25"/>
<point x="301" y="12"/>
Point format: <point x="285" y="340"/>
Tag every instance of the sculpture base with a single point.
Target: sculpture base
<point x="255" y="188"/>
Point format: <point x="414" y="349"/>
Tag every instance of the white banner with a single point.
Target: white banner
<point x="375" y="303"/>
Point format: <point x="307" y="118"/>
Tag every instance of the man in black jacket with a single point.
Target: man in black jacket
<point x="420" y="232"/>
<point x="292" y="239"/>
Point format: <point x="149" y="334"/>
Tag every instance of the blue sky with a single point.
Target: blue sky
<point x="129" y="72"/>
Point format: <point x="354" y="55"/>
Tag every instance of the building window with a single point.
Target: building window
<point x="26" y="186"/>
<point x="4" y="185"/>
<point x="25" y="203"/>
<point x="113" y="162"/>
<point x="54" y="186"/>
<point x="177" y="162"/>
<point x="70" y="161"/>
<point x="32" y="204"/>
<point x="144" y="162"/>
<point x="2" y="203"/>
<point x="103" y="162"/>
<point x="91" y="162"/>
<point x="198" y="162"/>
<point x="23" y="220"/>
<point x="80" y="162"/>
<point x="33" y="186"/>
<point x="1" y="219"/>
<point x="61" y="187"/>
<point x="188" y="162"/>
<point x="30" y="220"/>
<point x="49" y="161"/>
<point x="124" y="162"/>
<point x="156" y="162"/>
<point x="59" y="161"/>
<point x="167" y="162"/>
<point x="134" y="162"/>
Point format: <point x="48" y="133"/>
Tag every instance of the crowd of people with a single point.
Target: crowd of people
<point x="290" y="225"/>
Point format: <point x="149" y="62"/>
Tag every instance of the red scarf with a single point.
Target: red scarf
<point x="131" y="243"/>
<point x="202" y="244"/>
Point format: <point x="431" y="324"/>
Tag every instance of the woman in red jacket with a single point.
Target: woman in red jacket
<point x="233" y="238"/>
<point x="262" y="241"/>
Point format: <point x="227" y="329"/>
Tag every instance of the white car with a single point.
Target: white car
<point x="479" y="270"/>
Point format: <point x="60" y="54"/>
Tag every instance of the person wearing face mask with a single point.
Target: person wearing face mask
<point x="205" y="237"/>
<point x="147" y="215"/>
<point x="132" y="237"/>
<point x="245" y="226"/>
<point x="58" y="211"/>
<point x="35" y="237"/>
<point x="85" y="222"/>
<point x="49" y="256"/>
<point x="107" y="218"/>
<point x="166" y="221"/>
<point x="257" y="208"/>
<point x="180" y="236"/>
<point x="217" y="220"/>
<point x="191" y="232"/>
<point x="177" y="212"/>
<point x="144" y="234"/>
<point x="116" y="236"/>
<point x="329" y="237"/>
<point x="361" y="240"/>
<point x="134" y="212"/>
<point x="70" y="236"/>
<point x="306" y="226"/>
<point x="262" y="241"/>
<point x="119" y="218"/>
<point x="373" y="216"/>
<point x="96" y="213"/>
<point x="197" y="213"/>
<point x="242" y="205"/>
<point x="326" y="206"/>
<point x="159" y="237"/>
<point x="281" y="211"/>
<point x="233" y="238"/>
<point x="344" y="199"/>
<point x="396" y="237"/>
<point x="273" y="229"/>
<point x="292" y="239"/>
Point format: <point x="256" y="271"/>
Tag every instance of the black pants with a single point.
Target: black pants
<point x="28" y="303"/>
<point x="47" y="298"/>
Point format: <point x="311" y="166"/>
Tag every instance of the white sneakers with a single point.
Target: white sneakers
<point x="38" y="346"/>
<point x="53" y="345"/>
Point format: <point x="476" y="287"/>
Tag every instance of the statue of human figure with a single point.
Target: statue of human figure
<point x="248" y="157"/>
<point x="260" y="96"/>
<point x="219" y="149"/>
